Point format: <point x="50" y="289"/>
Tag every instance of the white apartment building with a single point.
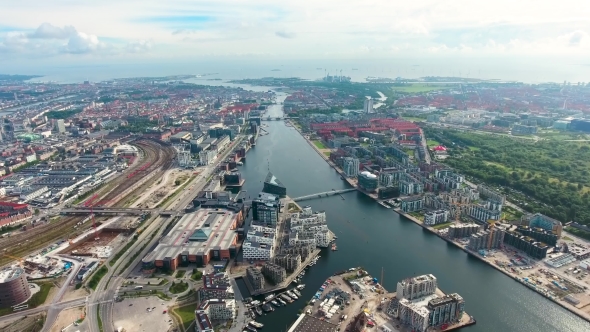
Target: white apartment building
<point x="351" y="167"/>
<point x="219" y="309"/>
<point x="207" y="157"/>
<point x="309" y="227"/>
<point x="263" y="229"/>
<point x="266" y="238"/>
<point x="413" y="315"/>
<point x="436" y="217"/>
<point x="257" y="251"/>
<point x="416" y="287"/>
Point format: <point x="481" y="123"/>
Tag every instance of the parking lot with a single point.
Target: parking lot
<point x="133" y="314"/>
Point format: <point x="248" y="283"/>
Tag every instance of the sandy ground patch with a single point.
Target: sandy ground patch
<point x="67" y="317"/>
<point x="132" y="315"/>
<point x="73" y="293"/>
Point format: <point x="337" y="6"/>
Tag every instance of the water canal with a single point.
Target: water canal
<point x="374" y="237"/>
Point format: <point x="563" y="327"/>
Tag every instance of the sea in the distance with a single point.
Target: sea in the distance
<point x="504" y="69"/>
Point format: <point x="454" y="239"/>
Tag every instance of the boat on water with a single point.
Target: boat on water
<point x="258" y="311"/>
<point x="297" y="292"/>
<point x="334" y="248"/>
<point x="292" y="295"/>
<point x="251" y="328"/>
<point x="269" y="297"/>
<point x="282" y="302"/>
<point x="267" y="308"/>
<point x="300" y="287"/>
<point x="295" y="281"/>
<point x="255" y="302"/>
<point x="252" y="314"/>
<point x="275" y="303"/>
<point x="256" y="324"/>
<point x="239" y="163"/>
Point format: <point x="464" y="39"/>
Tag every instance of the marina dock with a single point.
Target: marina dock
<point x="286" y="282"/>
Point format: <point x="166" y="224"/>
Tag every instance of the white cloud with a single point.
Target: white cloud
<point x="327" y="28"/>
<point x="139" y="46"/>
<point x="49" y="31"/>
<point x="285" y="34"/>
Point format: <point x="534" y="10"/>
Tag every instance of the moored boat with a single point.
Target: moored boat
<point x="269" y="297"/>
<point x="258" y="311"/>
<point x="256" y="324"/>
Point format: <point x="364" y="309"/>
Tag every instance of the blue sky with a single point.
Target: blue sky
<point x="111" y="30"/>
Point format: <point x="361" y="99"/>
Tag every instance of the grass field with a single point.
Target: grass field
<point x="319" y="145"/>
<point x="442" y="226"/>
<point x="421" y="87"/>
<point x="432" y="143"/>
<point x="180" y="273"/>
<point x="186" y="314"/>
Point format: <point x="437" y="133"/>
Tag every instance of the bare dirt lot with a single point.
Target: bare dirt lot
<point x="67" y="317"/>
<point x="133" y="314"/>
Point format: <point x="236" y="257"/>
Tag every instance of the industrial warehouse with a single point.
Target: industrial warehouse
<point x="197" y="238"/>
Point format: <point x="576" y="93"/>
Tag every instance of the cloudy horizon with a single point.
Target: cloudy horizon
<point x="67" y="32"/>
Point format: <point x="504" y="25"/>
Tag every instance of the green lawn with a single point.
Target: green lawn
<point x="432" y="143"/>
<point x="186" y="314"/>
<point x="97" y="276"/>
<point x="442" y="226"/>
<point x="327" y="154"/>
<point x="180" y="273"/>
<point x="421" y="87"/>
<point x="319" y="144"/>
<point x="197" y="275"/>
<point x="178" y="287"/>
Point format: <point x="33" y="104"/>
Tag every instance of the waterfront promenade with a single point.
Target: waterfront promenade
<point x="566" y="305"/>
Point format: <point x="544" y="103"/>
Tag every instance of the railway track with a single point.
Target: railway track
<point x="158" y="157"/>
<point x="23" y="243"/>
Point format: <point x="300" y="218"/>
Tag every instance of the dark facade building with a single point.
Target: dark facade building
<point x="539" y="234"/>
<point x="272" y="185"/>
<point x="581" y="125"/>
<point x="266" y="208"/>
<point x="14" y="288"/>
<point x="530" y="246"/>
<point x="367" y="181"/>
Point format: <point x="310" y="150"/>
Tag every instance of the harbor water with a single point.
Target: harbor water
<point x="374" y="237"/>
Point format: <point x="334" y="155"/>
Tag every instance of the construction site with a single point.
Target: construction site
<point x="88" y="236"/>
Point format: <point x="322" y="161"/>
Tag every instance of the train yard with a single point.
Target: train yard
<point x="155" y="157"/>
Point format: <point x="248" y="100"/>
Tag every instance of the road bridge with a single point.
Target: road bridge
<point x="268" y="118"/>
<point x="324" y="194"/>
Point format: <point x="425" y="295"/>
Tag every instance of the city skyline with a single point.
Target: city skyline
<point x="65" y="32"/>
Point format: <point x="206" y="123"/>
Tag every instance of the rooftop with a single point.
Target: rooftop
<point x="197" y="233"/>
<point x="306" y="323"/>
<point x="10" y="273"/>
<point x="271" y="179"/>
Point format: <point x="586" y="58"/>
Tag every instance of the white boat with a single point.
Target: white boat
<point x="291" y="295"/>
<point x="256" y="324"/>
<point x="296" y="292"/>
<point x="239" y="163"/>
<point x="269" y="297"/>
<point x="300" y="287"/>
<point x="281" y="301"/>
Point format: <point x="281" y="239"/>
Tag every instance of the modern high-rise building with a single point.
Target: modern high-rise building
<point x="274" y="186"/>
<point x="413" y="288"/>
<point x="368" y="105"/>
<point x="368" y="181"/>
<point x="60" y="126"/>
<point x="350" y="166"/>
<point x="420" y="307"/>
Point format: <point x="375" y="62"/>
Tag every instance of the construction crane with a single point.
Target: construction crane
<point x="19" y="259"/>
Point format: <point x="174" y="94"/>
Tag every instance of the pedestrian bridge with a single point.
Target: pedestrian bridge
<point x="324" y="194"/>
